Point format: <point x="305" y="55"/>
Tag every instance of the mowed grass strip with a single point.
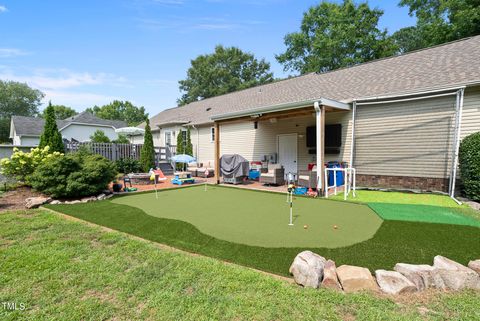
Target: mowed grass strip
<point x="65" y="270"/>
<point x="395" y="241"/>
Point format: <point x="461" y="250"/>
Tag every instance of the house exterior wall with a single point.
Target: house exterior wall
<point x="83" y="132"/>
<point x="203" y="146"/>
<point x="28" y="141"/>
<point x="471" y="112"/>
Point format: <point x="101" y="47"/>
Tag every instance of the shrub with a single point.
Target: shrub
<point x="469" y="159"/>
<point x="99" y="137"/>
<point x="21" y="165"/>
<point x="122" y="139"/>
<point x="147" y="156"/>
<point x="74" y="175"/>
<point x="128" y="165"/>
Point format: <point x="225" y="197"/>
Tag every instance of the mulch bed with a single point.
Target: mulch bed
<point x="15" y="200"/>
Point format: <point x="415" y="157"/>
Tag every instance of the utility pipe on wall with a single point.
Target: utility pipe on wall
<point x="352" y="146"/>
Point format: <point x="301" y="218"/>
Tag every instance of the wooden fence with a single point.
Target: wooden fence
<point x="114" y="152"/>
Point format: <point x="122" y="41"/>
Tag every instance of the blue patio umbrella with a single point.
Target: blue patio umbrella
<point x="183" y="158"/>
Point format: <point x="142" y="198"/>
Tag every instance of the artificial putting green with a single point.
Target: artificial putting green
<point x="259" y="218"/>
<point x="423" y="213"/>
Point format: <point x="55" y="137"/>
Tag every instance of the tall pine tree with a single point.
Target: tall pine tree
<point x="147" y="157"/>
<point x="188" y="144"/>
<point x="51" y="136"/>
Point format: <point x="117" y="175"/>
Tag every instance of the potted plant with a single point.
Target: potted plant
<point x="117" y="187"/>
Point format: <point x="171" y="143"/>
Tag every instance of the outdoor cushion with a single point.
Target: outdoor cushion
<point x="267" y="174"/>
<point x="305" y="177"/>
<point x="272" y="167"/>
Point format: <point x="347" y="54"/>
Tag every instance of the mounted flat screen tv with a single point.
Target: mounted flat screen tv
<point x="333" y="138"/>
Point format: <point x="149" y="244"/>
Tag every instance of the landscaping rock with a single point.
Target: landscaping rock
<point x="475" y="265"/>
<point x="107" y="192"/>
<point x="55" y="202"/>
<point x="355" y="278"/>
<point x="109" y="196"/>
<point x="101" y="197"/>
<point x="72" y="202"/>
<point x="330" y="278"/>
<point x="88" y="199"/>
<point x="455" y="275"/>
<point x="422" y="275"/>
<point x="307" y="269"/>
<point x="392" y="282"/>
<point x="34" y="202"/>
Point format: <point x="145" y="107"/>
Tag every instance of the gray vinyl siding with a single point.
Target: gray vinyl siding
<point x="242" y="138"/>
<point x="405" y="139"/>
<point x="471" y="112"/>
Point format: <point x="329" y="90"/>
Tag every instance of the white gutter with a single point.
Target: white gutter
<point x="458" y="130"/>
<point x="198" y="142"/>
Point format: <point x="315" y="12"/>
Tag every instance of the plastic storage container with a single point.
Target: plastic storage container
<point x="340" y="176"/>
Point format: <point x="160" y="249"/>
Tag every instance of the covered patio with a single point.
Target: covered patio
<point x="296" y="136"/>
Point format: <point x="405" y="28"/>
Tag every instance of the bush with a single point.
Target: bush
<point x="74" y="175"/>
<point x="21" y="165"/>
<point x="469" y="159"/>
<point x="99" y="137"/>
<point x="147" y="155"/>
<point x="128" y="165"/>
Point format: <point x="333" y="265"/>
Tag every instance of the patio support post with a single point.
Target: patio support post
<point x="320" y="134"/>
<point x="217" y="152"/>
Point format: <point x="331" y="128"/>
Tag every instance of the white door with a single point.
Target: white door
<point x="287" y="152"/>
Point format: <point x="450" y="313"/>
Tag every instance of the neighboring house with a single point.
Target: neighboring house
<point x="395" y="119"/>
<point x="26" y="131"/>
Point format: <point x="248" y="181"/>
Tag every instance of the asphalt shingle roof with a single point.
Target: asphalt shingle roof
<point x="33" y="126"/>
<point x="451" y="64"/>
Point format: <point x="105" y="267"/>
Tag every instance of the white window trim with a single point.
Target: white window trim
<point x="165" y="137"/>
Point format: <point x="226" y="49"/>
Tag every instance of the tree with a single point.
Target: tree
<point x="99" y="137"/>
<point x="408" y="39"/>
<point x="440" y="21"/>
<point x="147" y="157"/>
<point x="227" y="69"/>
<point x="16" y="99"/>
<point x="121" y="139"/>
<point x="120" y="110"/>
<point x="335" y="35"/>
<point x="188" y="144"/>
<point x="62" y="112"/>
<point x="51" y="136"/>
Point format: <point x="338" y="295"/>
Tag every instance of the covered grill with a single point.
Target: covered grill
<point x="233" y="168"/>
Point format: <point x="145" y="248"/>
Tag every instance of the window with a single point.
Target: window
<point x="184" y="135"/>
<point x="168" y="138"/>
<point x="212" y="134"/>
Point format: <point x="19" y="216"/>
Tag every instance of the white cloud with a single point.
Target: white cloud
<point x="78" y="100"/>
<point x="3" y="9"/>
<point x="11" y="52"/>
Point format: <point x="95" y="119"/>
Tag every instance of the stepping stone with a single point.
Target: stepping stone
<point x="355" y="278"/>
<point x="392" y="282"/>
<point x="475" y="265"/>
<point x="307" y="269"/>
<point x="422" y="275"/>
<point x="455" y="275"/>
<point x="330" y="278"/>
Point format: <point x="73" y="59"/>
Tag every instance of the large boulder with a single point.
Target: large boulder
<point x="475" y="265"/>
<point x="101" y="197"/>
<point x="307" y="269"/>
<point x="392" y="282"/>
<point x="34" y="202"/>
<point x="355" y="278"/>
<point x="455" y="275"/>
<point x="422" y="275"/>
<point x="330" y="278"/>
<point x="55" y="202"/>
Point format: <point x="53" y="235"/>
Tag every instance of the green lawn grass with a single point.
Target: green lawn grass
<point x="259" y="218"/>
<point x="65" y="270"/>
<point x="395" y="241"/>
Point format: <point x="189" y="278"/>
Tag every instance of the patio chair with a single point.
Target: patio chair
<point x="211" y="170"/>
<point x="274" y="176"/>
<point x="192" y="168"/>
<point x="308" y="178"/>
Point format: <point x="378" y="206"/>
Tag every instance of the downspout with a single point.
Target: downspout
<point x="458" y="129"/>
<point x="318" y="113"/>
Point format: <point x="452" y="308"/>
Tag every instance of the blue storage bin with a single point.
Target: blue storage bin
<point x="340" y="176"/>
<point x="300" y="191"/>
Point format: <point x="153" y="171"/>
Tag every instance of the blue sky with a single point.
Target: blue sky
<point x="82" y="53"/>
